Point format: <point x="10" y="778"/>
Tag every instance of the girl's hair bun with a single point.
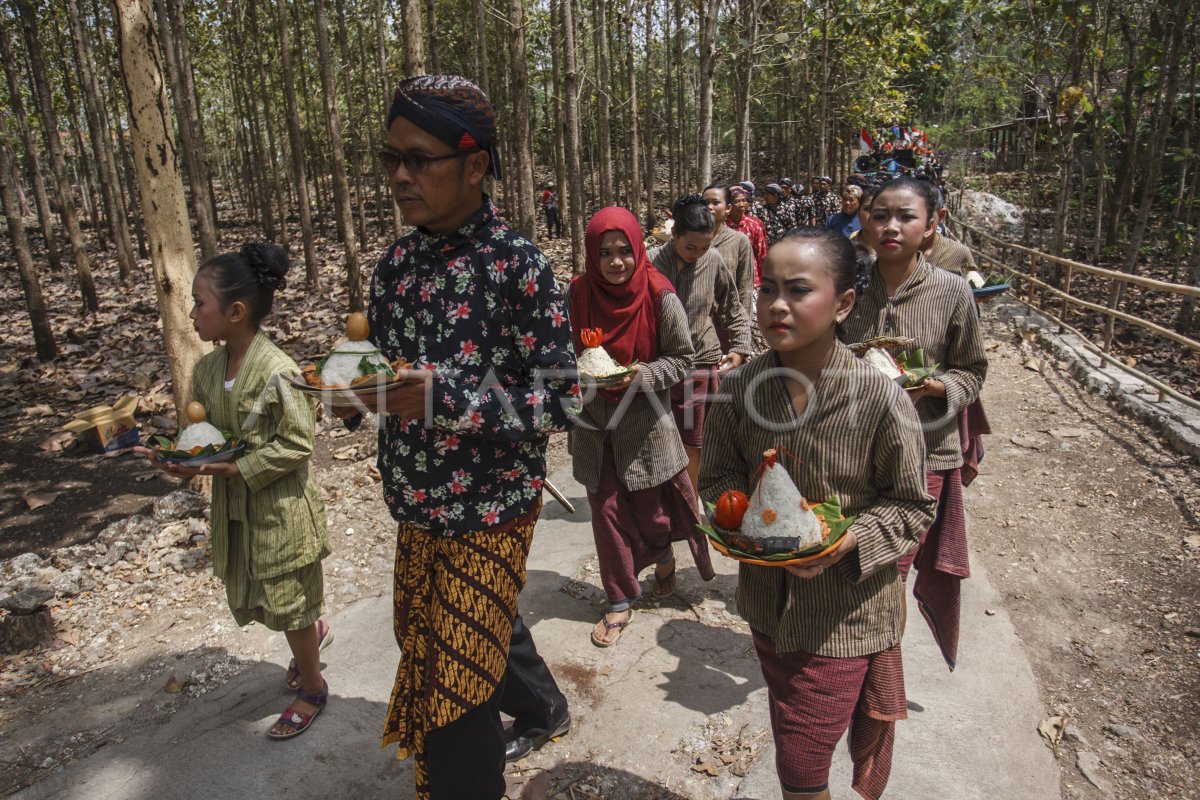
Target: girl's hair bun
<point x="269" y="262"/>
<point x="252" y="274"/>
<point x="692" y="214"/>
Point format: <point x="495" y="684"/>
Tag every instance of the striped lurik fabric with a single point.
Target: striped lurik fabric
<point x="455" y="600"/>
<point x="276" y="497"/>
<point x="644" y="441"/>
<point x="288" y="602"/>
<point x="950" y="255"/>
<point x="936" y="309"/>
<point x="973" y="425"/>
<point x="942" y="563"/>
<point x="857" y="439"/>
<point x="814" y="699"/>
<point x="708" y="291"/>
<point x="738" y="255"/>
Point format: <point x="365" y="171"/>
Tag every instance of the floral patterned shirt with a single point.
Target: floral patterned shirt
<point x="796" y="209"/>
<point x="804" y="209"/>
<point x="753" y="228"/>
<point x="481" y="309"/>
<point x="778" y="219"/>
<point x="825" y="205"/>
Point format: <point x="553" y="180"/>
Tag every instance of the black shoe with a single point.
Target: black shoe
<point x="520" y="746"/>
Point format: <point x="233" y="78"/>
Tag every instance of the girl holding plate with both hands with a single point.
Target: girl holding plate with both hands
<point x="626" y="449"/>
<point x="827" y="632"/>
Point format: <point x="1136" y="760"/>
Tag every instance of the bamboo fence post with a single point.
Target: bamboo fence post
<point x="1110" y="328"/>
<point x="1066" y="306"/>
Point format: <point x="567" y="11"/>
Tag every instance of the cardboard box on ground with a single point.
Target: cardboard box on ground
<point x="107" y="428"/>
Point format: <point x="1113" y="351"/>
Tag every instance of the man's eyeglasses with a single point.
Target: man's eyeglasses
<point x="414" y="163"/>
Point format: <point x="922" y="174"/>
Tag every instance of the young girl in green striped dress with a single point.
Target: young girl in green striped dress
<point x="268" y="521"/>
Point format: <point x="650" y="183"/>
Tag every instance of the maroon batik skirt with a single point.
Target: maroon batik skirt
<point x="689" y="403"/>
<point x="942" y="558"/>
<point x="814" y="699"/>
<point x="634" y="529"/>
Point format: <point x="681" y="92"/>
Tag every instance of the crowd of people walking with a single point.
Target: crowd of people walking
<point x="735" y="332"/>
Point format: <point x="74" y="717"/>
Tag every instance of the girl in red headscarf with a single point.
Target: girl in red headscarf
<point x="626" y="450"/>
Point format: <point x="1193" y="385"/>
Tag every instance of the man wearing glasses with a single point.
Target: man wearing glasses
<point x="474" y="306"/>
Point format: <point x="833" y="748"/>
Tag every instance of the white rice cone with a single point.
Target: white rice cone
<point x="596" y="361"/>
<point x="342" y="366"/>
<point x="199" y="434"/>
<point x="777" y="509"/>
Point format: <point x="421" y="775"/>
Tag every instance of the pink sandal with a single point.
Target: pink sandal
<point x="298" y="721"/>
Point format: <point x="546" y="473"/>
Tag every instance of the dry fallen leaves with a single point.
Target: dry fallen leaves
<point x="1051" y="730"/>
<point x="34" y="500"/>
<point x="175" y="685"/>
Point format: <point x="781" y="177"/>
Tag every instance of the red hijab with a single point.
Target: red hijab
<point x="629" y="312"/>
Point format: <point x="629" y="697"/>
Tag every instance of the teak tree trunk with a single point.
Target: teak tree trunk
<point x="1163" y="120"/>
<point x="341" y="189"/>
<point x="708" y="41"/>
<point x="431" y="27"/>
<point x="191" y="137"/>
<point x="635" y="155"/>
<point x="43" y="337"/>
<point x="184" y="48"/>
<point x="114" y="209"/>
<point x="748" y="13"/>
<point x="312" y="273"/>
<point x="604" y="89"/>
<point x="172" y="251"/>
<point x="33" y="165"/>
<point x="414" y="37"/>
<point x="266" y="132"/>
<point x="58" y="164"/>
<point x="574" y="164"/>
<point x="387" y="80"/>
<point x="526" y="216"/>
<point x="648" y="142"/>
<point x="560" y="116"/>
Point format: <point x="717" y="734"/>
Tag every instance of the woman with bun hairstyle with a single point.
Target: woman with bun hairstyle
<point x="625" y="449"/>
<point x="268" y="521"/>
<point x="709" y="293"/>
<point x="906" y="296"/>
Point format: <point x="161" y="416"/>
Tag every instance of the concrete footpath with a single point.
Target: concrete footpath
<point x="681" y="686"/>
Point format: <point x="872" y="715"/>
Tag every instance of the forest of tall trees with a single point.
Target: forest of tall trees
<point x="135" y="131"/>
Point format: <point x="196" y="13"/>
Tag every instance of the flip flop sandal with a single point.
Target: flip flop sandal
<point x="324" y="639"/>
<point x="298" y="721"/>
<point x="664" y="587"/>
<point x="619" y="627"/>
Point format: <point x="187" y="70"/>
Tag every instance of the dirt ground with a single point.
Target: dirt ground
<point x="1086" y="523"/>
<point x="1088" y="527"/>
